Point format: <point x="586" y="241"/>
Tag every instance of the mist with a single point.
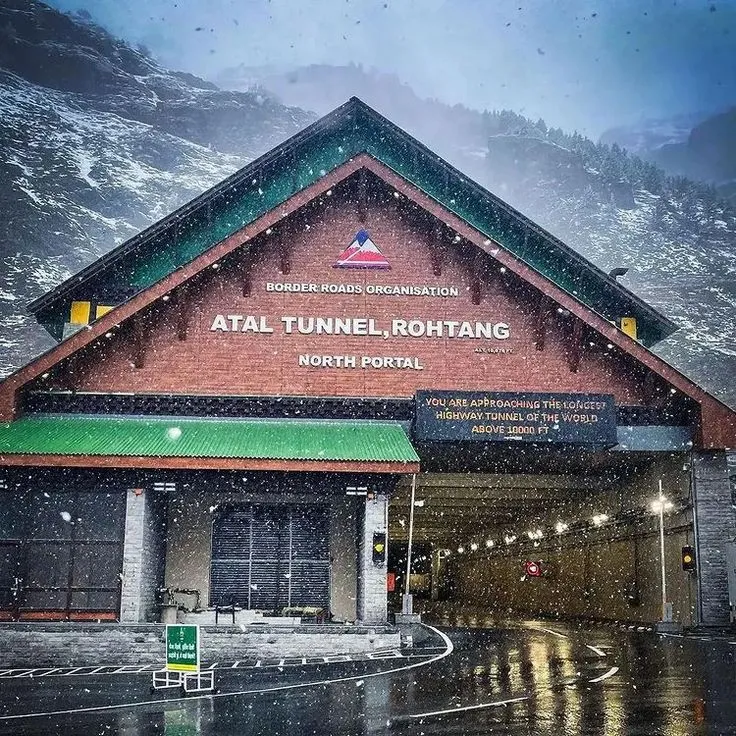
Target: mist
<point x="577" y="64"/>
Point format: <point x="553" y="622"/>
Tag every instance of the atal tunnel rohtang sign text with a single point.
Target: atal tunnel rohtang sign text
<point x="461" y="416"/>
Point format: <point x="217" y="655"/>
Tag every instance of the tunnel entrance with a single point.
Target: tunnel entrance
<point x="563" y="533"/>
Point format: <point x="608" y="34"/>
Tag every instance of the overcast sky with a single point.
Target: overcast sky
<point x="580" y="64"/>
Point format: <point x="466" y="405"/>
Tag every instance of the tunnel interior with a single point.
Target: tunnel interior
<point x="564" y="533"/>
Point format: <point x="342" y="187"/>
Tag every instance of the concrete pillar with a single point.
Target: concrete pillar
<point x="372" y="602"/>
<point x="143" y="555"/>
<point x="715" y="525"/>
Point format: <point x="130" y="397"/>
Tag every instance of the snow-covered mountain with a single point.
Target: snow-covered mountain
<point x="98" y="141"/>
<point x="649" y="135"/>
<point x="699" y="146"/>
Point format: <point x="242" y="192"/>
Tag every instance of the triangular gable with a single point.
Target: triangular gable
<point x="718" y="421"/>
<point x="267" y="183"/>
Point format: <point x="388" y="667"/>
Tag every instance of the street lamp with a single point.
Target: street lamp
<point x="659" y="507"/>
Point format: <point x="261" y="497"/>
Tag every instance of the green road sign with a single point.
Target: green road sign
<point x="182" y="647"/>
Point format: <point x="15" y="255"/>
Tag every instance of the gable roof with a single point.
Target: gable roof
<point x="718" y="422"/>
<point x="351" y="129"/>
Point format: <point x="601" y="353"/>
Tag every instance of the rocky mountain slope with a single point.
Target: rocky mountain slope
<point x="97" y="141"/>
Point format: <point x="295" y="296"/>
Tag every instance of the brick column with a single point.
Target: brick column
<point x="372" y="604"/>
<point x="716" y="525"/>
<point x="143" y="556"/>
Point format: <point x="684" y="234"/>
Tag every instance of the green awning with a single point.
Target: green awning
<point x="183" y="437"/>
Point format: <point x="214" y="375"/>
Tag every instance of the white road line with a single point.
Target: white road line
<point x="71" y="672"/>
<point x="212" y="666"/>
<point x="211" y="696"/>
<point x="606" y="675"/>
<point x="50" y="672"/>
<point x="281" y="663"/>
<point x="24" y="673"/>
<point x="95" y="671"/>
<point x="258" y="663"/>
<point x="469" y="707"/>
<point x="304" y="660"/>
<point x="549" y="631"/>
<point x="599" y="652"/>
<point x="235" y="664"/>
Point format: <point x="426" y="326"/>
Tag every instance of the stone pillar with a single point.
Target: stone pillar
<point x="716" y="525"/>
<point x="372" y="603"/>
<point x="143" y="555"/>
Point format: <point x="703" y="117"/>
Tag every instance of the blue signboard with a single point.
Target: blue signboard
<point x="487" y="416"/>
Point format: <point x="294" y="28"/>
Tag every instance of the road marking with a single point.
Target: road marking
<point x="235" y="664"/>
<point x="211" y="696"/>
<point x="599" y="652"/>
<point x="258" y="663"/>
<point x="24" y="673"/>
<point x="606" y="675"/>
<point x="469" y="707"/>
<point x="549" y="631"/>
<point x="71" y="672"/>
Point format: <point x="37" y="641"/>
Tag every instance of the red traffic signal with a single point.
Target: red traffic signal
<point x="533" y="569"/>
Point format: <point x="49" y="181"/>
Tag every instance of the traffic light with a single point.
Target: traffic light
<point x="688" y="559"/>
<point x="379" y="548"/>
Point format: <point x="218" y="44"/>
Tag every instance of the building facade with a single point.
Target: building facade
<point x="243" y="396"/>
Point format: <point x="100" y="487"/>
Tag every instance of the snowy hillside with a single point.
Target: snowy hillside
<point x="83" y="171"/>
<point x="97" y="142"/>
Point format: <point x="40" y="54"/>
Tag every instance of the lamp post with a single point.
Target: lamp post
<point x="659" y="507"/>
<point x="407" y="603"/>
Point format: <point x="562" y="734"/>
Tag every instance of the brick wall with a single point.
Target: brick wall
<point x="143" y="556"/>
<point x="716" y="525"/>
<point x="42" y="645"/>
<point x="372" y="601"/>
<point x="213" y="362"/>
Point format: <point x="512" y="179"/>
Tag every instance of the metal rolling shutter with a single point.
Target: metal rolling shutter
<point x="310" y="558"/>
<point x="269" y="557"/>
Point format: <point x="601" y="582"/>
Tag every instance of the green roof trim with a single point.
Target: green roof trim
<point x="351" y="129"/>
<point x="271" y="439"/>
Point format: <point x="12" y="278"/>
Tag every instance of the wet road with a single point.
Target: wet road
<point x="521" y="677"/>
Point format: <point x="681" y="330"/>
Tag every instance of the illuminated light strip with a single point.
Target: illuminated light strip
<point x="280" y="688"/>
<point x="599" y="652"/>
<point x="470" y="707"/>
<point x="549" y="631"/>
<point x="606" y="675"/>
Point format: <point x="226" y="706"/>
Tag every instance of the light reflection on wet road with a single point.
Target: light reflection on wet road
<point x="671" y="686"/>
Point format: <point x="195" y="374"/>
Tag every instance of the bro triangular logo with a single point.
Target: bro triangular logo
<point x="361" y="253"/>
